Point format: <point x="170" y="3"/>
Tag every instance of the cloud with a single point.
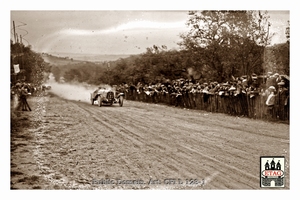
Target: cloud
<point x="146" y="25"/>
<point x="120" y="38"/>
<point x="132" y="25"/>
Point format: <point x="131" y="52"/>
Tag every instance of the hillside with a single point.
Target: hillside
<point x="58" y="59"/>
<point x="99" y="58"/>
<point x="89" y="69"/>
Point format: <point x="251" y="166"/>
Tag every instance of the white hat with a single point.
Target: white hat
<point x="271" y="88"/>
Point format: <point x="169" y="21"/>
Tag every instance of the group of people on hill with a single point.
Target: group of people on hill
<point x="20" y="91"/>
<point x="273" y="87"/>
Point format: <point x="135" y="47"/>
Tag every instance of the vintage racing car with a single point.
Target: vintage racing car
<point x="108" y="96"/>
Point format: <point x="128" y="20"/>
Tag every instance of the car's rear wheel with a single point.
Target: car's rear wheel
<point x="121" y="99"/>
<point x="99" y="101"/>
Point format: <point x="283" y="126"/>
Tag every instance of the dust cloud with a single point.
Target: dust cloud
<point x="73" y="91"/>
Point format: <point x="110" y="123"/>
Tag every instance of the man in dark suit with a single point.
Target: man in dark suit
<point x="23" y="97"/>
<point x="282" y="100"/>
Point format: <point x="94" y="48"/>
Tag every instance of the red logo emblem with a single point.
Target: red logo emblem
<point x="272" y="173"/>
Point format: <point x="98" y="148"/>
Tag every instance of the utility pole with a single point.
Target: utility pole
<point x="264" y="53"/>
<point x="266" y="42"/>
<point x="14" y="31"/>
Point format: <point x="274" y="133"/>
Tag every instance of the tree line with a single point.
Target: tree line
<point x="33" y="68"/>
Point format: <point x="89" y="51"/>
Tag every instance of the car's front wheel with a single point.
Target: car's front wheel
<point x="99" y="101"/>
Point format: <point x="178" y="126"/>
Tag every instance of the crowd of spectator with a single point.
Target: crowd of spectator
<point x="250" y="96"/>
<point x="20" y="91"/>
<point x="243" y="96"/>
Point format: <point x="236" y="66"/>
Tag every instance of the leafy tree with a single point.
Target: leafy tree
<point x="278" y="58"/>
<point x="227" y="42"/>
<point x="72" y="75"/>
<point x="287" y="32"/>
<point x="32" y="66"/>
<point x="56" y="73"/>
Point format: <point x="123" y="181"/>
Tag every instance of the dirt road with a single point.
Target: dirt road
<point x="65" y="144"/>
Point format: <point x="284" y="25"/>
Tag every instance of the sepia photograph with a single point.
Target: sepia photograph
<point x="142" y="99"/>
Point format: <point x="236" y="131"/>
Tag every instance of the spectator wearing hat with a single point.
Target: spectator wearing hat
<point x="253" y="91"/>
<point x="282" y="100"/>
<point x="271" y="80"/>
<point x="23" y="93"/>
<point x="192" y="94"/>
<point x="271" y="101"/>
<point x="269" y="74"/>
<point x="277" y="79"/>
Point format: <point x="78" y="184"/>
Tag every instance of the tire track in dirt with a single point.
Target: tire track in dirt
<point x="79" y="143"/>
<point x="233" y="169"/>
<point x="140" y="163"/>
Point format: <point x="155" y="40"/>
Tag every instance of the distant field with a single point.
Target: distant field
<point x="53" y="60"/>
<point x="64" y="59"/>
<point x="99" y="58"/>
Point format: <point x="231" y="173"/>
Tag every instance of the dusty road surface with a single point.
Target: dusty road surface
<point x="65" y="144"/>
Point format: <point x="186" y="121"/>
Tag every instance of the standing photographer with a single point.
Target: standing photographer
<point x="23" y="98"/>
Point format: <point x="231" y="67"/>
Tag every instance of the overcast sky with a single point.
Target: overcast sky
<point x="111" y="32"/>
<point x="99" y="32"/>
